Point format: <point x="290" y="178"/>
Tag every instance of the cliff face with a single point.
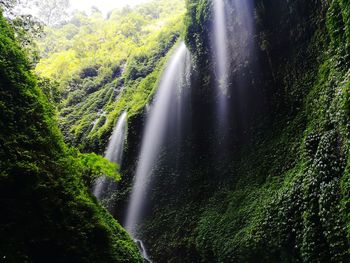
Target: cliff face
<point x="47" y="211"/>
<point x="270" y="183"/>
<point x="279" y="191"/>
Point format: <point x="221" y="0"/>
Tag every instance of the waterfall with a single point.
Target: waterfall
<point x="220" y="46"/>
<point x="162" y="114"/>
<point x="221" y="65"/>
<point x="115" y="148"/>
<point x="142" y="250"/>
<point x="114" y="153"/>
<point x="233" y="36"/>
<point x="232" y="43"/>
<point x="240" y="32"/>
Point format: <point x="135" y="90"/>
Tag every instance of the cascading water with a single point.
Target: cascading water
<point x="115" y="148"/>
<point x="221" y="64"/>
<point x="232" y="45"/>
<point x="142" y="250"/>
<point x="163" y="112"/>
<point x="220" y="46"/>
<point x="232" y="37"/>
<point x="114" y="153"/>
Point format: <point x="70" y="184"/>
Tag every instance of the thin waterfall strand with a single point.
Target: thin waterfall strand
<point x="154" y="134"/>
<point x="115" y="149"/>
<point x="114" y="152"/>
<point x="221" y="52"/>
<point x="142" y="250"/>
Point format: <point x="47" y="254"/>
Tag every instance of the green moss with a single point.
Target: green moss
<point x="285" y="195"/>
<point x="285" y="199"/>
<point x="297" y="216"/>
<point x="48" y="213"/>
<point x="123" y="73"/>
<point x="197" y="29"/>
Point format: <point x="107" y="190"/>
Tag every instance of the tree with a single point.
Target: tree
<point x="10" y="8"/>
<point x="52" y="12"/>
<point x="27" y="29"/>
<point x="7" y="4"/>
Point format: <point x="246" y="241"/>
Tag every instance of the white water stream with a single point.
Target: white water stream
<point x="154" y="134"/>
<point x="163" y="111"/>
<point x="114" y="153"/>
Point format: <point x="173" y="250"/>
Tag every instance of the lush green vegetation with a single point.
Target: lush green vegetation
<point x="280" y="192"/>
<point x="286" y="205"/>
<point x="107" y="65"/>
<point x="48" y="213"/>
<point x="284" y="195"/>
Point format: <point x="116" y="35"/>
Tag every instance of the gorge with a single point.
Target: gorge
<point x="224" y="126"/>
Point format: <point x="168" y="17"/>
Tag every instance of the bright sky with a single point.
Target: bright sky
<point x="103" y="5"/>
<point x="85" y="5"/>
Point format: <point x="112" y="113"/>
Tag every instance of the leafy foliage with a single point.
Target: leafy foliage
<point x="52" y="12"/>
<point x="97" y="166"/>
<point x="48" y="214"/>
<point x="283" y="196"/>
<point x="108" y="65"/>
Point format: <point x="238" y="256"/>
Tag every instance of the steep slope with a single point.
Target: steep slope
<point x="47" y="212"/>
<point x="275" y="187"/>
<point x="280" y="191"/>
<point x="107" y="65"/>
